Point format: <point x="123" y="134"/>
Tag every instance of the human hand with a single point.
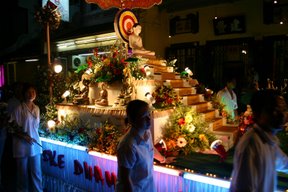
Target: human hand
<point x="25" y="137"/>
<point x="169" y="160"/>
<point x="28" y="139"/>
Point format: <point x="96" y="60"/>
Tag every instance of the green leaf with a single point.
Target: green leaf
<point x="81" y="68"/>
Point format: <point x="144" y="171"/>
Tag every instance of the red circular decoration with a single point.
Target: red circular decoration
<point x="123" y="23"/>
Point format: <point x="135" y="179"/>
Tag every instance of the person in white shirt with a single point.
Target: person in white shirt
<point x="26" y="147"/>
<point x="135" y="152"/>
<point x="228" y="98"/>
<point x="257" y="156"/>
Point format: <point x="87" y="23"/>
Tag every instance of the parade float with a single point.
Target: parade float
<point x="79" y="142"/>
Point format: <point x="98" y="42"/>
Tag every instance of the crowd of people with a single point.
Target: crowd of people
<point x="257" y="156"/>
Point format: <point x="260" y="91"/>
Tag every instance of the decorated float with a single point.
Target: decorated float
<point x="80" y="134"/>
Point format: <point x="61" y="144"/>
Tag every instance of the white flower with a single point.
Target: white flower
<point x="181" y="142"/>
<point x="191" y="128"/>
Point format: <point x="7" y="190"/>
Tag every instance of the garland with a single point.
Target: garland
<point x="49" y="14"/>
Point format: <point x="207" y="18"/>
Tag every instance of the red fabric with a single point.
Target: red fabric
<point x="126" y="4"/>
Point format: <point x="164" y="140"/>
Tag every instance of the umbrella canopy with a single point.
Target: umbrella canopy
<point x="123" y="23"/>
<point x="125" y="4"/>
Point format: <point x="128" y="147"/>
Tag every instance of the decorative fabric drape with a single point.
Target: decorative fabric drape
<point x="125" y="4"/>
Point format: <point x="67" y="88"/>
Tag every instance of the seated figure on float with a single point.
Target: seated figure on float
<point x="103" y="100"/>
<point x="135" y="42"/>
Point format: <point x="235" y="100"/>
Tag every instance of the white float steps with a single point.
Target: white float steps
<point x="191" y="99"/>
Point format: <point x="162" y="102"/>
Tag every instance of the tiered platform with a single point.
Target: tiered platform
<point x="186" y="89"/>
<point x="72" y="168"/>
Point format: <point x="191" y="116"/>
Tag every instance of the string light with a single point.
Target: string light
<point x="207" y="180"/>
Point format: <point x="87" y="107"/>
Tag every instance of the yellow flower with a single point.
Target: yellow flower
<point x="181" y="142"/>
<point x="188" y="118"/>
<point x="96" y="69"/>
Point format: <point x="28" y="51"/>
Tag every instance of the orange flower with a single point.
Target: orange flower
<point x="203" y="138"/>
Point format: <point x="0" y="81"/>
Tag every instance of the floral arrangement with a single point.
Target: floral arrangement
<point x="106" y="138"/>
<point x="107" y="69"/>
<point x="111" y="67"/>
<point x="102" y="138"/>
<point x="245" y="120"/>
<point x="165" y="97"/>
<point x="49" y="14"/>
<point x="186" y="132"/>
<point x="70" y="130"/>
<point x="136" y="67"/>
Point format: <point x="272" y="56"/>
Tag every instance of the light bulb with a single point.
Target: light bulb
<point x="58" y="68"/>
<point x="51" y="124"/>
<point x="66" y="94"/>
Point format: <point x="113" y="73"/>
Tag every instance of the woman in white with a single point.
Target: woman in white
<point x="26" y="143"/>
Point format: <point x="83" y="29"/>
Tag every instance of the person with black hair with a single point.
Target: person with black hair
<point x="135" y="151"/>
<point x="257" y="156"/>
<point x="27" y="147"/>
<point x="228" y="98"/>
